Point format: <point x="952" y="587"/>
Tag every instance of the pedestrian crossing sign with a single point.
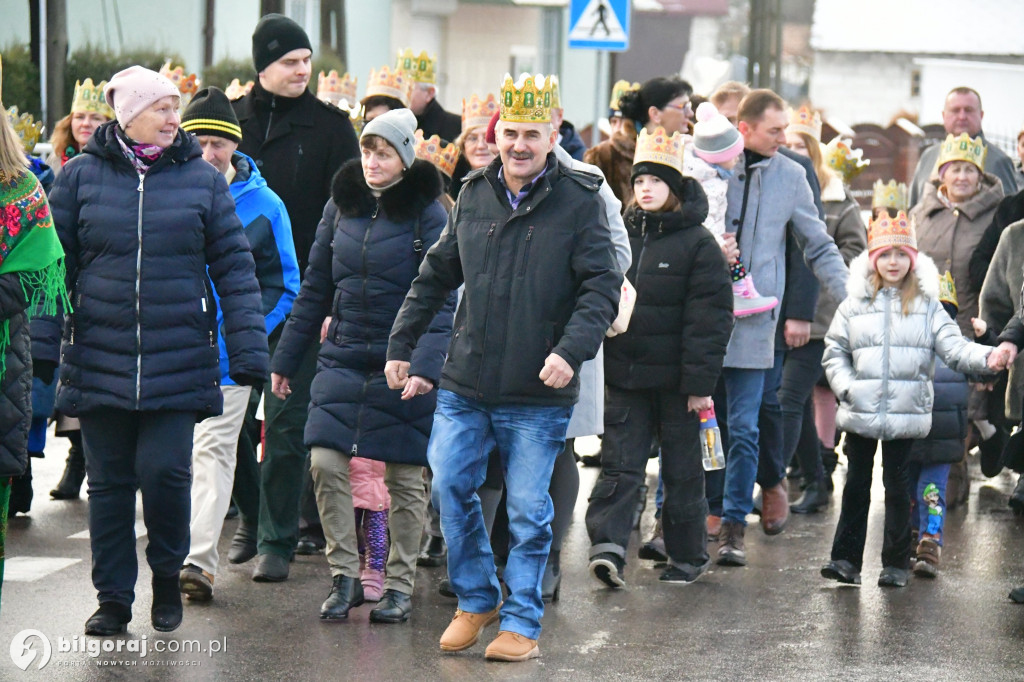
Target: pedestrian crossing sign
<point x="599" y="24"/>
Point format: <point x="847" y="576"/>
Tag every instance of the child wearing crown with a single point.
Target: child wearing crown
<point x="879" y="358"/>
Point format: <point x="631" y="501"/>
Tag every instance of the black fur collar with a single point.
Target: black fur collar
<point x="420" y="185"/>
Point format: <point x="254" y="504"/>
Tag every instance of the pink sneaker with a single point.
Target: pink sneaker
<point x="746" y="301"/>
<point x="373" y="584"/>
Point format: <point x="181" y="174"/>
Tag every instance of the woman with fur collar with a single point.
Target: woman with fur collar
<point x="383" y="216"/>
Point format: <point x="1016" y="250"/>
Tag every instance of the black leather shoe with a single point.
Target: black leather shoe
<point x="433" y="553"/>
<point x="551" y="581"/>
<point x="444" y="588"/>
<point x="310" y="544"/>
<point x="842" y="571"/>
<point x="71" y="481"/>
<point x="271" y="568"/>
<point x="166" y="611"/>
<point x="111" y="618"/>
<point x="1016" y="500"/>
<point x="346" y="593"/>
<point x="813" y="500"/>
<point x="393" y="607"/>
<point x="243" y="544"/>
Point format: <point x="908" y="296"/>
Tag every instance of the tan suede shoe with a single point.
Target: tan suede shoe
<point x="465" y="628"/>
<point x="511" y="646"/>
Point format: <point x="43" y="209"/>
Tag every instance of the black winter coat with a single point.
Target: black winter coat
<point x="540" y="279"/>
<point x="436" y="121"/>
<point x="138" y="251"/>
<point x="683" y="315"/>
<point x="360" y="268"/>
<point x="298" y="144"/>
<point x="16" y="390"/>
<point x="945" y="442"/>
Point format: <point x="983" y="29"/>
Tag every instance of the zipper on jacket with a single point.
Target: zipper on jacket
<point x="270" y="118"/>
<point x="887" y="328"/>
<point x="359" y="417"/>
<point x="487" y="246"/>
<point x="490" y="291"/>
<point x="526" y="251"/>
<point x="138" y="296"/>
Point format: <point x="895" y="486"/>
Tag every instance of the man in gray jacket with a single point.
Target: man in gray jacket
<point x="765" y="194"/>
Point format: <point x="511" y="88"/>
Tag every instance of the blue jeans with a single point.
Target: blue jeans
<point x="771" y="465"/>
<point x="529" y="438"/>
<point x="744" y="389"/>
<point x="921" y="474"/>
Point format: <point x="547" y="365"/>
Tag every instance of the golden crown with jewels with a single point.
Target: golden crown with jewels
<point x="556" y="92"/>
<point x="962" y="148"/>
<point x="443" y="156"/>
<point x="236" y="90"/>
<point x="659" y="147"/>
<point x="420" y="69"/>
<point x="891" y="195"/>
<point x="28" y="129"/>
<point x="885" y="232"/>
<point x="188" y="85"/>
<point x="335" y="89"/>
<point x="526" y="101"/>
<point x="947" y="289"/>
<point x="387" y="83"/>
<point x="844" y="159"/>
<point x="88" y="98"/>
<point x="803" y="120"/>
<point x="618" y="90"/>
<point x="478" y="112"/>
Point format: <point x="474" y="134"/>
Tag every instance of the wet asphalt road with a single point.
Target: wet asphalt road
<point x="776" y="619"/>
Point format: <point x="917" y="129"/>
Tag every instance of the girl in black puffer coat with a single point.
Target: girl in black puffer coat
<point x="663" y="369"/>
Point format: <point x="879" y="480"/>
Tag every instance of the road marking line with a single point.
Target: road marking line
<point x="26" y="569"/>
<point x="140" y="532"/>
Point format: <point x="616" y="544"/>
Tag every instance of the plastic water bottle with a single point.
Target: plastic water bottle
<point x="710" y="441"/>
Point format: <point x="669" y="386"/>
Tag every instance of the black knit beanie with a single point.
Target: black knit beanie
<point x="210" y="113"/>
<point x="275" y="36"/>
<point x="672" y="177"/>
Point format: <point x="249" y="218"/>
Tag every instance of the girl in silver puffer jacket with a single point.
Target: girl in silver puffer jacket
<point x="880" y="358"/>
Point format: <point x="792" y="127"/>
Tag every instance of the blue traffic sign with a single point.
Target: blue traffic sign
<point x="599" y="24"/>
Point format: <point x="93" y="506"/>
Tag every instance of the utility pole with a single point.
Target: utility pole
<point x="55" y="106"/>
<point x="764" y="44"/>
<point x="208" y="31"/>
<point x="332" y="29"/>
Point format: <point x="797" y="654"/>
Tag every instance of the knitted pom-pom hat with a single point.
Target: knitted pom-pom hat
<point x="715" y="139"/>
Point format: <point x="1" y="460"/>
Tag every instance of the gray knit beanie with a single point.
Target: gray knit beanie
<point x="397" y="127"/>
<point x="715" y="139"/>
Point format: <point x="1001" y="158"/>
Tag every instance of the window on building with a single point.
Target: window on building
<point x="915" y="83"/>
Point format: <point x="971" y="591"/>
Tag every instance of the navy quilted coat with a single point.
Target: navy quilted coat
<point x="142" y="335"/>
<point x="360" y="269"/>
<point x="16" y="389"/>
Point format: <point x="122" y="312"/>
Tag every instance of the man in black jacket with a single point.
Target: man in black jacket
<point x="298" y="143"/>
<point x="529" y="239"/>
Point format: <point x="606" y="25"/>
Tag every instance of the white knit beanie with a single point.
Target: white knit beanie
<point x="715" y="139"/>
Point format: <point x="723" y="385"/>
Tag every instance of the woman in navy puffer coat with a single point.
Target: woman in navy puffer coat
<point x="143" y="220"/>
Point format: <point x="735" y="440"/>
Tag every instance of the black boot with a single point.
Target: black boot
<point x="166" y="611"/>
<point x="74" y="473"/>
<point x="433" y="552"/>
<point x="551" y="582"/>
<point x="243" y="544"/>
<point x="829" y="462"/>
<point x="346" y="593"/>
<point x="393" y="607"/>
<point x="21" y="491"/>
<point x="815" y="498"/>
<point x="111" y="618"/>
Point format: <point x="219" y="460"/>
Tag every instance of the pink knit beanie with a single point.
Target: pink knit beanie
<point x="132" y="91"/>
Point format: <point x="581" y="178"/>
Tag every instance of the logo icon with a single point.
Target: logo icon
<point x="23" y="653"/>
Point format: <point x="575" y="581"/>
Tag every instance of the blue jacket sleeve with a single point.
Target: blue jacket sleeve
<point x="282" y="228"/>
<point x="432" y="348"/>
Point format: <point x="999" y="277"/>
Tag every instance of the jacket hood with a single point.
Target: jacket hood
<point x="103" y="143"/>
<point x="247" y="176"/>
<point x="859" y="284"/>
<point x="418" y="188"/>
<point x="693" y="212"/>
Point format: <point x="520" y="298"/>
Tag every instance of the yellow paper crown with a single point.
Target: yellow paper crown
<point x="962" y="148"/>
<point x="556" y="92"/>
<point x="844" y="159"/>
<point x="885" y="232"/>
<point x="187" y="85"/>
<point x="618" y="90"/>
<point x="387" y="83"/>
<point x="805" y="121"/>
<point x="28" y="130"/>
<point x="443" y="156"/>
<point x="89" y="98"/>
<point x="892" y="195"/>
<point x="947" y="289"/>
<point x="477" y="112"/>
<point x="420" y="69"/>
<point x="336" y="89"/>
<point x="526" y="101"/>
<point x="660" y="147"/>
<point x="236" y="90"/>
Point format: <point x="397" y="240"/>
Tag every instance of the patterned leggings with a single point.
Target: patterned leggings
<point x="374" y="537"/>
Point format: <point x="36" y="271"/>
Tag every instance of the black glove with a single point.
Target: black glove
<point x="44" y="370"/>
<point x="253" y="380"/>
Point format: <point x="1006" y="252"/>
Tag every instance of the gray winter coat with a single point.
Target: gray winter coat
<point x="778" y="194"/>
<point x="880" y="363"/>
<point x="1000" y="301"/>
<point x="845" y="226"/>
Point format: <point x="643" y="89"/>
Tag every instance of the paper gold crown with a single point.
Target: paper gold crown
<point x="962" y="148"/>
<point x="387" y="83"/>
<point x="892" y="195"/>
<point x="885" y="232"/>
<point x="526" y="101"/>
<point x="337" y="90"/>
<point x="478" y="112"/>
<point x="187" y="85"/>
<point x="805" y="121"/>
<point x="618" y="90"/>
<point x="236" y="90"/>
<point x="29" y="131"/>
<point x="419" y="69"/>
<point x="660" y="147"/>
<point x="556" y="92"/>
<point x="844" y="159"/>
<point x="947" y="289"/>
<point x="88" y="98"/>
<point x="443" y="156"/>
